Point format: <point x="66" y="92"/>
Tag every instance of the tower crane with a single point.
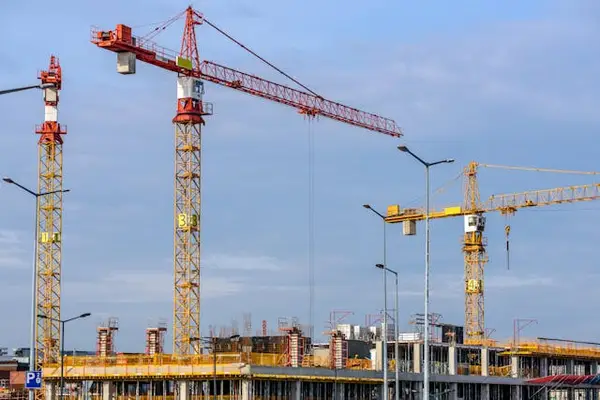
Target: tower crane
<point x="190" y="116"/>
<point x="49" y="220"/>
<point x="474" y="243"/>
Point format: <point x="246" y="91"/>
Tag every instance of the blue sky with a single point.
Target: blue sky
<point x="496" y="82"/>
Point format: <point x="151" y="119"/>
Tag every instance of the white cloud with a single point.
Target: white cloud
<point x="246" y="263"/>
<point x="143" y="287"/>
<point x="515" y="281"/>
<point x="9" y="237"/>
<point x="156" y="285"/>
<point x="497" y="66"/>
<point x="11" y="254"/>
<point x="12" y="259"/>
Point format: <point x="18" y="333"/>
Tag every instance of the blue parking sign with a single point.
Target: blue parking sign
<point x="33" y="380"/>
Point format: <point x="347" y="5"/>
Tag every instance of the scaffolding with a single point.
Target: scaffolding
<point x="105" y="345"/>
<point x="552" y="348"/>
<point x="338" y="350"/>
<point x="155" y="339"/>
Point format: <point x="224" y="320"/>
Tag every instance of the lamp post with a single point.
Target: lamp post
<point x="19" y="89"/>
<point x="396" y="334"/>
<point x="213" y="342"/>
<point x="385" y="333"/>
<point x="427" y="243"/>
<point x="32" y="343"/>
<point x="62" y="344"/>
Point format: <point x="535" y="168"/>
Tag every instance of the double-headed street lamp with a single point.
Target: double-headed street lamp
<point x="213" y="342"/>
<point x="385" y="332"/>
<point x="62" y="345"/>
<point x="32" y="344"/>
<point x="396" y="333"/>
<point x="427" y="241"/>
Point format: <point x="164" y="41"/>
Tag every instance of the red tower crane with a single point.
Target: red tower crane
<point x="191" y="112"/>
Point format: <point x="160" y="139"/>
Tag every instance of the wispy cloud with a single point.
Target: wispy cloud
<point x="9" y="237"/>
<point x="155" y="285"/>
<point x="142" y="287"/>
<point x="516" y="281"/>
<point x="11" y="252"/>
<point x="246" y="263"/>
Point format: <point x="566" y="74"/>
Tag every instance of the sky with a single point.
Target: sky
<point x="499" y="82"/>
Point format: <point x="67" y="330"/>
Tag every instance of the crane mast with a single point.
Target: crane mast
<point x="49" y="221"/>
<point x="475" y="258"/>
<point x="188" y="121"/>
<point x="188" y="154"/>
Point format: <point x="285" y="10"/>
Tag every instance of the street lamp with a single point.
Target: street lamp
<point x="19" y="89"/>
<point x="32" y="345"/>
<point x="213" y="341"/>
<point x="385" y="333"/>
<point x="62" y="344"/>
<point x="397" y="333"/>
<point x="427" y="242"/>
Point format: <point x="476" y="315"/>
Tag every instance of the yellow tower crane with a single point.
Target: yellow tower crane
<point x="474" y="243"/>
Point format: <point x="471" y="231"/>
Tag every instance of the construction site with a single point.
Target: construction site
<point x="283" y="359"/>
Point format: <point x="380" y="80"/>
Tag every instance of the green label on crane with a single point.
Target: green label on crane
<point x="184" y="63"/>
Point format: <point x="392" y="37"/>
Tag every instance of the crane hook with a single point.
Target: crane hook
<point x="507" y="232"/>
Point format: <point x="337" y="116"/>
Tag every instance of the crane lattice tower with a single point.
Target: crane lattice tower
<point x="188" y="149"/>
<point x="49" y="221"/>
<point x="475" y="258"/>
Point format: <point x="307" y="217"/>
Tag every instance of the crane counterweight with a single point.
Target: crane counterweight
<point x="126" y="63"/>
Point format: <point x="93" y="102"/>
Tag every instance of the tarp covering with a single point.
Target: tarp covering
<point x="568" y="379"/>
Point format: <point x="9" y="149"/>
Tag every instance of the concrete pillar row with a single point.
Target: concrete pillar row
<point x="417" y="358"/>
<point x="184" y="390"/>
<point x="108" y="390"/>
<point x="514" y="366"/>
<point x="452" y="360"/>
<point x="485" y="361"/>
<point x="247" y="390"/>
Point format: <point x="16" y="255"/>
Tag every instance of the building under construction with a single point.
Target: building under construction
<point x="287" y="365"/>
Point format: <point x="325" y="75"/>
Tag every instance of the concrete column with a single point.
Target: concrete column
<point x="485" y="362"/>
<point x="339" y="391"/>
<point x="514" y="366"/>
<point x="452" y="359"/>
<point x="544" y="366"/>
<point x="296" y="391"/>
<point x="485" y="391"/>
<point x="453" y="395"/>
<point x="108" y="390"/>
<point x="378" y="362"/>
<point x="50" y="389"/>
<point x="184" y="390"/>
<point x="247" y="390"/>
<point x="515" y="392"/>
<point x="570" y="366"/>
<point x="594" y="367"/>
<point x="417" y="358"/>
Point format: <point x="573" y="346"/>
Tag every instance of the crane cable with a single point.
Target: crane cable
<point x="261" y="58"/>
<point x="311" y="179"/>
<point x="162" y="26"/>
<point x="311" y="227"/>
